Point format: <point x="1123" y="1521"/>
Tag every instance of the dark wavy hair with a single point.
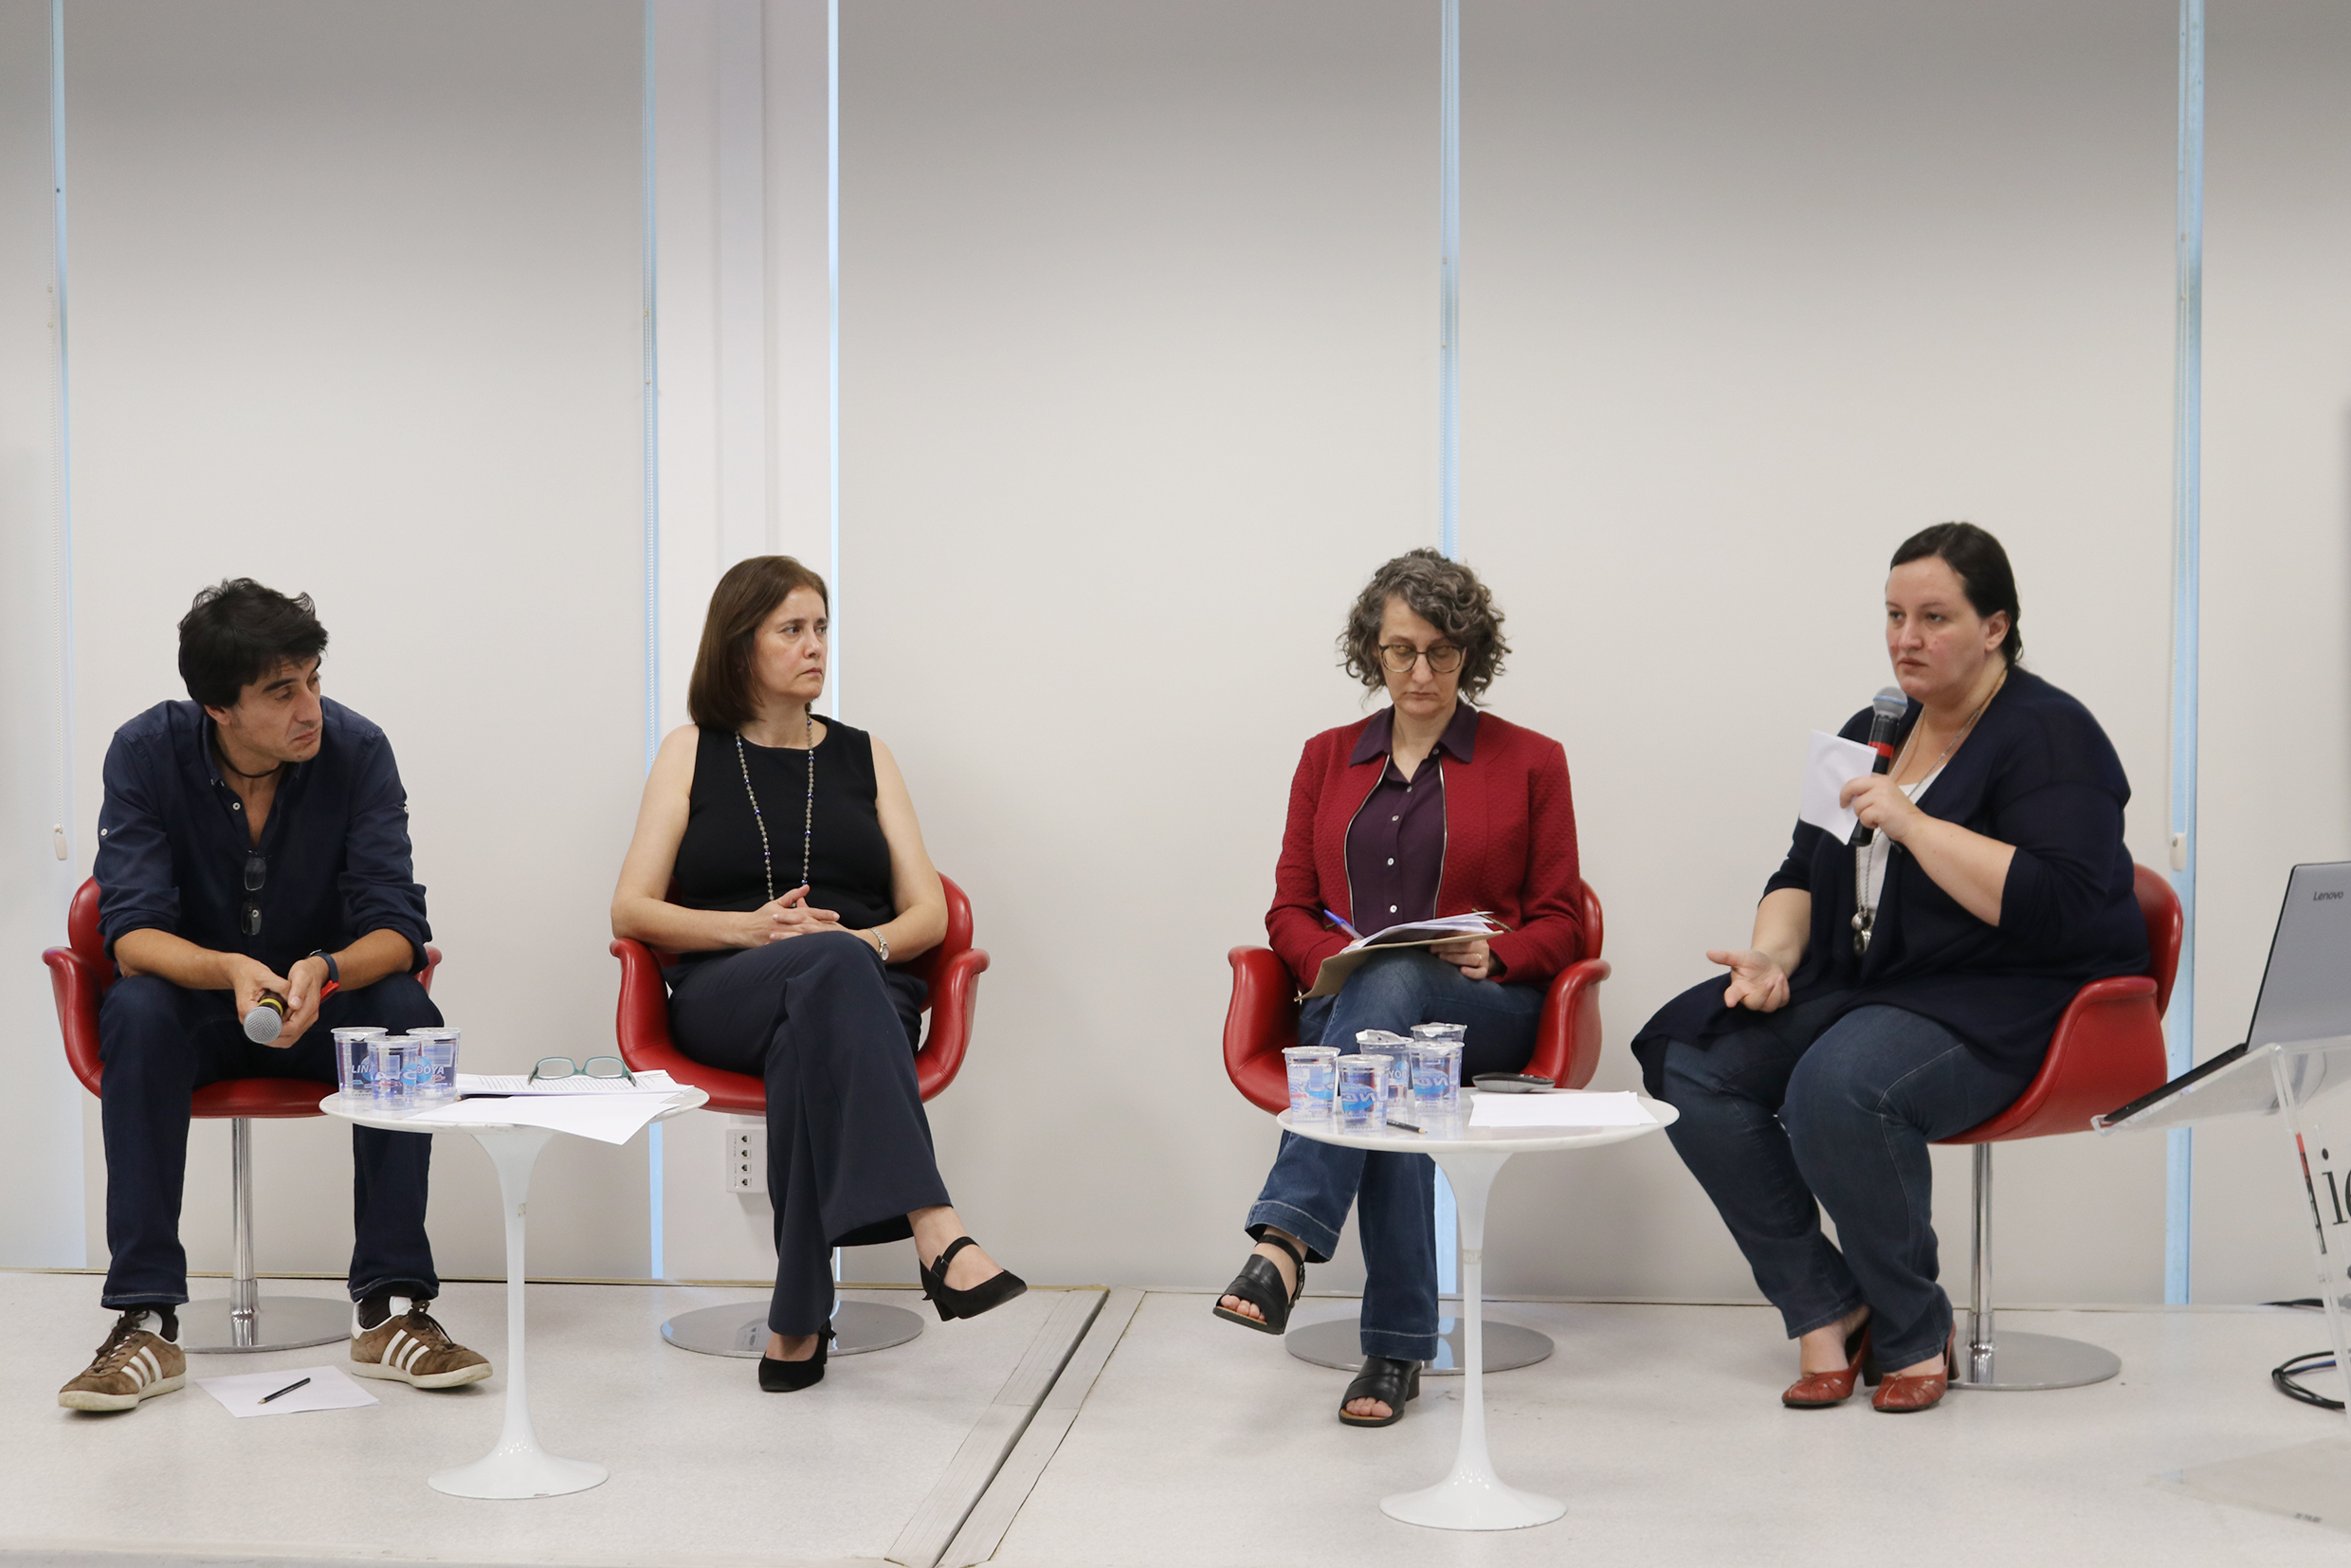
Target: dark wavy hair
<point x="1444" y="593"/>
<point x="1976" y="559"/>
<point x="237" y="631"/>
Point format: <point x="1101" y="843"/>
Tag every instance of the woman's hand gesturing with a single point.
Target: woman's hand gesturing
<point x="1758" y="980"/>
<point x="789" y="915"/>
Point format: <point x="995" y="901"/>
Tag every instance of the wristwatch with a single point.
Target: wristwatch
<point x="333" y="971"/>
<point x="880" y="941"/>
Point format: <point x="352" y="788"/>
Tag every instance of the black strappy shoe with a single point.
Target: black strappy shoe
<point x="986" y="1296"/>
<point x="1384" y="1379"/>
<point x="781" y="1376"/>
<point x="1259" y="1283"/>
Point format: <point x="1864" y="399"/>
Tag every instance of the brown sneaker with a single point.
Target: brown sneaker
<point x="412" y="1348"/>
<point x="134" y="1363"/>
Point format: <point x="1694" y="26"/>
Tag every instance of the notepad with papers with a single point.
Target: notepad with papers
<point x="1444" y="928"/>
<point x="1567" y="1108"/>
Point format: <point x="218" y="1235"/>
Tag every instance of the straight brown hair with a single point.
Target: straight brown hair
<point x="720" y="695"/>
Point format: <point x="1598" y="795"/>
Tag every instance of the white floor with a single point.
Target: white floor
<point x="1200" y="1444"/>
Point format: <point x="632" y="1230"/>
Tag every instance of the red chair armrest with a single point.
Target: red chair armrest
<point x="1567" y="1039"/>
<point x="1261" y="1023"/>
<point x="642" y="1028"/>
<point x="2107" y="1051"/>
<point x="77" y="984"/>
<point x="955" y="1001"/>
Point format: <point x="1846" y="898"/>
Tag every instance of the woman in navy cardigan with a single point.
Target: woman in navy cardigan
<point x="1429" y="807"/>
<point x="1904" y="992"/>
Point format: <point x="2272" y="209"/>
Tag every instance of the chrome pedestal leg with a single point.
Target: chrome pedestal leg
<point x="741" y="1330"/>
<point x="2013" y="1360"/>
<point x="249" y="1321"/>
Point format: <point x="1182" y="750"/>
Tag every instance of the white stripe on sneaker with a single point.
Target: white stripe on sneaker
<point x="144" y="1369"/>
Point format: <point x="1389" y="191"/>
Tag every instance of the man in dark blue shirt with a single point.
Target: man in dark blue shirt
<point x="254" y="842"/>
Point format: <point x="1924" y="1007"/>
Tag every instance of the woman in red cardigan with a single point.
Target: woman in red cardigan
<point x="1430" y="807"/>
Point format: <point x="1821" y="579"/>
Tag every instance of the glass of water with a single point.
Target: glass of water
<point x="352" y="1074"/>
<point x="1436" y="1077"/>
<point x="1399" y="1051"/>
<point x="388" y="1070"/>
<point x="1362" y="1092"/>
<point x="438" y="1047"/>
<point x="1313" y="1080"/>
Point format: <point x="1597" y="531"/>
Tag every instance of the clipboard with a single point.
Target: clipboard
<point x="1355" y="954"/>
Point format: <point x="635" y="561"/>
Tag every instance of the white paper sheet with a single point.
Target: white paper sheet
<point x="330" y="1388"/>
<point x="1829" y="764"/>
<point x="520" y="1082"/>
<point x="1568" y="1108"/>
<point x="605" y="1118"/>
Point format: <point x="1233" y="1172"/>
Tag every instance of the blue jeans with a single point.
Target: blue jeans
<point x="1805" y="1110"/>
<point x="1311" y="1184"/>
<point x="160" y="1044"/>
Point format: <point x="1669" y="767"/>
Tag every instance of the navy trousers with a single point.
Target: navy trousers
<point x="1312" y="1184"/>
<point x="161" y="1043"/>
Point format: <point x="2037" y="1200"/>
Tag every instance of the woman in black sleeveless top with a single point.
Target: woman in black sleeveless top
<point x="778" y="855"/>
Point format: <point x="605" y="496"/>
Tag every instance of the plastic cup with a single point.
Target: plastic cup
<point x="352" y="1075"/>
<point x="1399" y="1051"/>
<point x="1436" y="1077"/>
<point x="439" y="1049"/>
<point x="1362" y="1092"/>
<point x="388" y="1070"/>
<point x="1313" y="1080"/>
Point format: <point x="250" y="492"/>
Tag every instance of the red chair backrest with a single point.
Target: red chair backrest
<point x="2159" y="908"/>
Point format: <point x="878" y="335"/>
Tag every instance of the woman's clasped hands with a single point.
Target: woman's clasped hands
<point x="787" y="916"/>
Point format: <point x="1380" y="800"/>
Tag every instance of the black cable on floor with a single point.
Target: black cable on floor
<point x="2285" y="1374"/>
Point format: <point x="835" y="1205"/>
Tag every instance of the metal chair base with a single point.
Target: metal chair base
<point x="276" y="1323"/>
<point x="1337" y="1343"/>
<point x="741" y="1330"/>
<point x="2016" y="1360"/>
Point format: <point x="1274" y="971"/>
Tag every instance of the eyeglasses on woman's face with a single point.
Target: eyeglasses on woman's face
<point x="1400" y="657"/>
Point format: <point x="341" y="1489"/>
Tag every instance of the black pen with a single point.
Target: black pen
<point x="288" y="1389"/>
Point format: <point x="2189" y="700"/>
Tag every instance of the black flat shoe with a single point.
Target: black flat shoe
<point x="986" y="1296"/>
<point x="781" y="1376"/>
<point x="1259" y="1283"/>
<point x="1384" y="1379"/>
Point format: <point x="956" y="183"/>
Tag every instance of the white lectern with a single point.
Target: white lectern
<point x="2294" y="1079"/>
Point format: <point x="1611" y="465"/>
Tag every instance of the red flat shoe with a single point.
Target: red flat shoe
<point x="1901" y="1395"/>
<point x="1819" y="1390"/>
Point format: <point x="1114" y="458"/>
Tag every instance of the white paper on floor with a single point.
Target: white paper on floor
<point x="1569" y="1109"/>
<point x="330" y="1388"/>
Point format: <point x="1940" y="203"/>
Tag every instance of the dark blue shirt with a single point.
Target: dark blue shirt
<point x="173" y="848"/>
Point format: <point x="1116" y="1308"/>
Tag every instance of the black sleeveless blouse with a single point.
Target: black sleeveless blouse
<point x="719" y="861"/>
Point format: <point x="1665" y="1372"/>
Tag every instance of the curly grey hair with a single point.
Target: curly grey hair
<point x="1444" y="593"/>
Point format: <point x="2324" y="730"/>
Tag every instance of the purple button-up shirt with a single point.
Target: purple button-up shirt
<point x="1395" y="844"/>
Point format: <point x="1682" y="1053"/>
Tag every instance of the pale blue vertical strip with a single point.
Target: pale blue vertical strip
<point x="654" y="1193"/>
<point x="1449" y="282"/>
<point x="62" y="523"/>
<point x="833" y="288"/>
<point x="2187" y="569"/>
<point x="1448" y="435"/>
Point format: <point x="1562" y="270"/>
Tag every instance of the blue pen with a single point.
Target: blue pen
<point x="1343" y="926"/>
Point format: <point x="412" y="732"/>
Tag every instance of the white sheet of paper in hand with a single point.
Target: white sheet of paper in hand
<point x="330" y="1388"/>
<point x="1829" y="764"/>
<point x="1572" y="1108"/>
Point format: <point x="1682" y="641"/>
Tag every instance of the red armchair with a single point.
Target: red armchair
<point x="79" y="976"/>
<point x="1262" y="1022"/>
<point x="952" y="971"/>
<point x="2108" y="1049"/>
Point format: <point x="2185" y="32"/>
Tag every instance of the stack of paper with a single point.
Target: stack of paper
<point x="521" y="1083"/>
<point x="608" y="1116"/>
<point x="1566" y="1108"/>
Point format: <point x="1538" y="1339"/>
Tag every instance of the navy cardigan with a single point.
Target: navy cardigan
<point x="2037" y="774"/>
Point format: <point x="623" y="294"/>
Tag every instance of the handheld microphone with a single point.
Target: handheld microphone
<point x="268" y="1017"/>
<point x="1886" y="711"/>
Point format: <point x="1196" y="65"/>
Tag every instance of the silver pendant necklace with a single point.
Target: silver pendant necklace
<point x="807" y="820"/>
<point x="1864" y="912"/>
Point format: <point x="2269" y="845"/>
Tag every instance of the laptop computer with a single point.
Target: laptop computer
<point x="2306" y="987"/>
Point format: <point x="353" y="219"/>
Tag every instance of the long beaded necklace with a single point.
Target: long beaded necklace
<point x="1865" y="913"/>
<point x="807" y="822"/>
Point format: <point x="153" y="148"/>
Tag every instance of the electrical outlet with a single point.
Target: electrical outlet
<point x="746" y="1157"/>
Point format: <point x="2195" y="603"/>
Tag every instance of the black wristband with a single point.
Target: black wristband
<point x="333" y="971"/>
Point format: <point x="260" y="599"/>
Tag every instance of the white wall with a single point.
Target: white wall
<point x="1138" y="382"/>
<point x="41" y="1153"/>
<point x="358" y="313"/>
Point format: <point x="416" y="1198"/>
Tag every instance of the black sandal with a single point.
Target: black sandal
<point x="1259" y="1283"/>
<point x="1384" y="1379"/>
<point x="986" y="1296"/>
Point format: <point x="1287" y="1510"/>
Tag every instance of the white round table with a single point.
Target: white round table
<point x="517" y="1467"/>
<point x="1473" y="1497"/>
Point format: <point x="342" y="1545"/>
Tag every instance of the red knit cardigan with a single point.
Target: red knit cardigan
<point x="1509" y="848"/>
